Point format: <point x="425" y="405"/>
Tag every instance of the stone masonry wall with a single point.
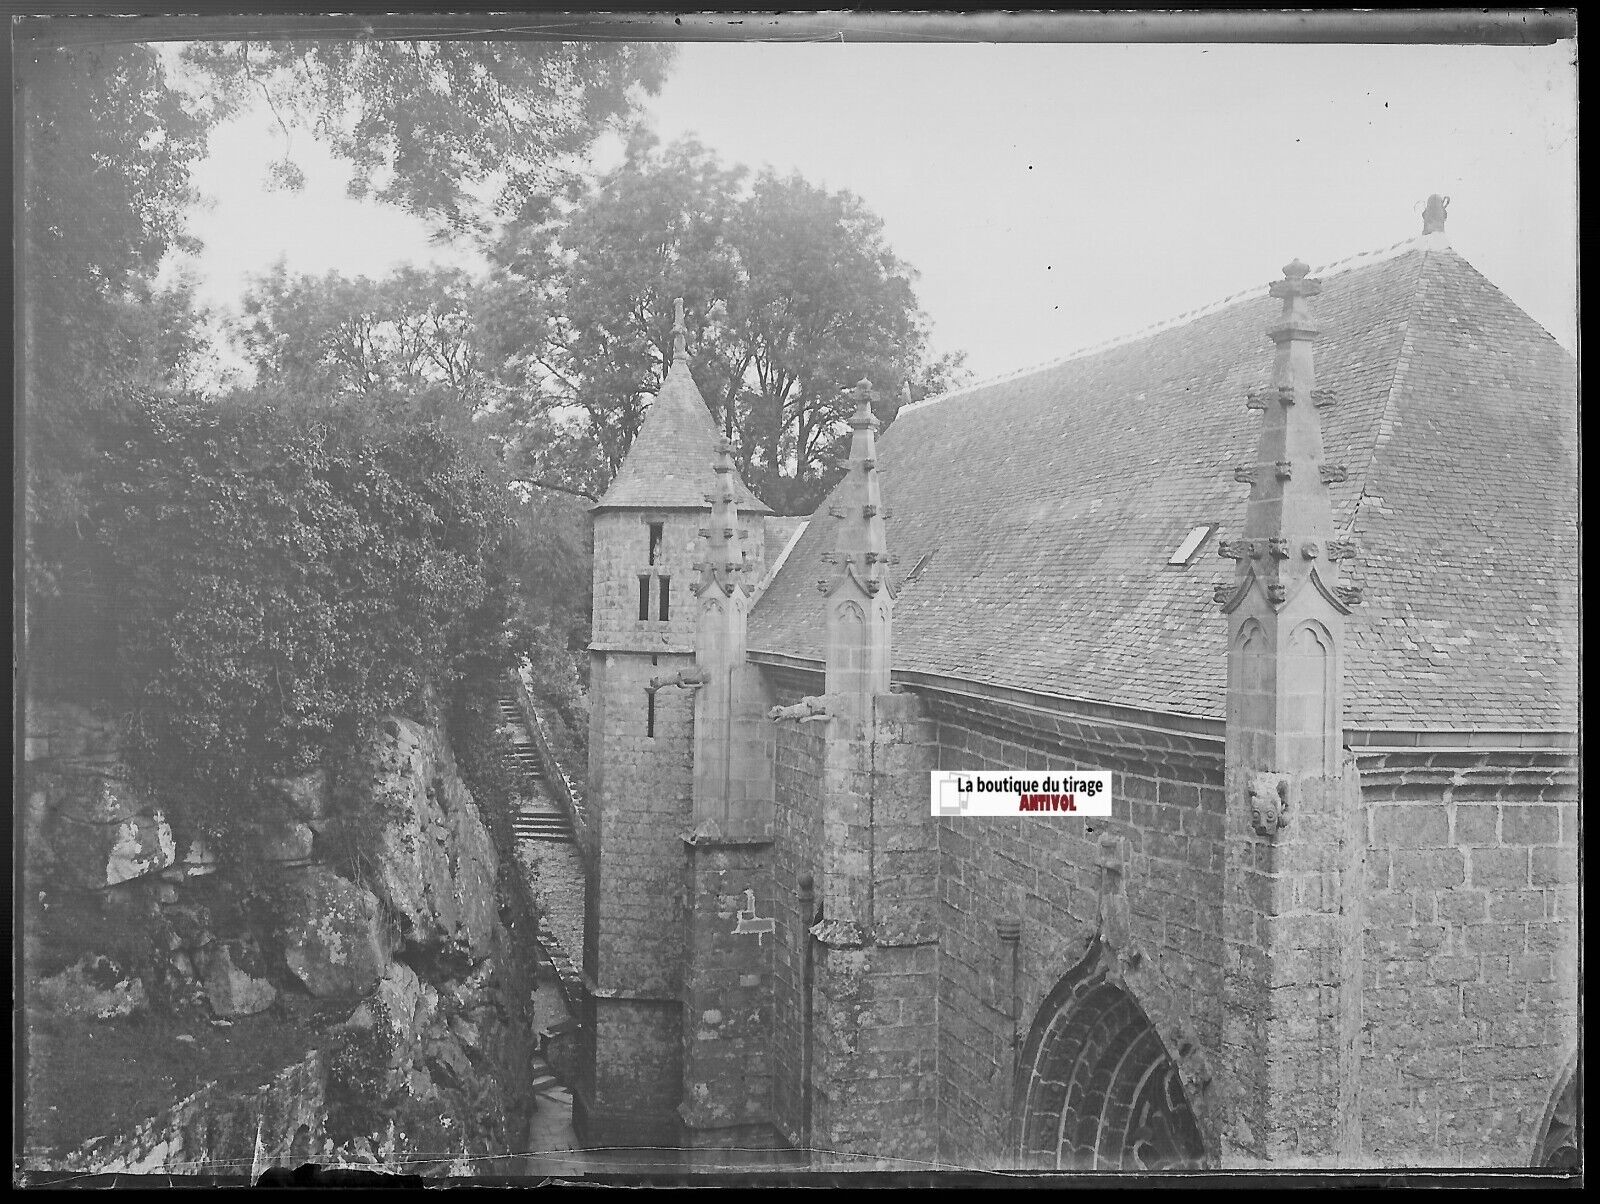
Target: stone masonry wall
<point x="1470" y="952"/>
<point x="727" y="1024"/>
<point x="1168" y="816"/>
<point x="640" y="800"/>
<point x="797" y="831"/>
<point x="644" y="810"/>
<point x="875" y="986"/>
<point x="876" y="1086"/>
<point x="622" y="556"/>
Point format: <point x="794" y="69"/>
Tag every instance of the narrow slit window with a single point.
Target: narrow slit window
<point x="1191" y="544"/>
<point x="664" y="612"/>
<point x="655" y="542"/>
<point x="644" y="597"/>
<point x="650" y="715"/>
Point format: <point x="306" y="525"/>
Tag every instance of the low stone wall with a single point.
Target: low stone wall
<point x="216" y="1131"/>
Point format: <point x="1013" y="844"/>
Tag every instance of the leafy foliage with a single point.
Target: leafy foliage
<point x="405" y="343"/>
<point x="285" y="581"/>
<point x="407" y="347"/>
<point x="549" y="556"/>
<point x="578" y="317"/>
<point x="430" y="125"/>
<point x="107" y="141"/>
<point x="105" y="150"/>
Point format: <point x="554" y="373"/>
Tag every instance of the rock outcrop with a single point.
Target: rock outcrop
<point x="94" y="987"/>
<point x="378" y="895"/>
<point x="235" y="981"/>
<point x="433" y="862"/>
<point x="101" y="832"/>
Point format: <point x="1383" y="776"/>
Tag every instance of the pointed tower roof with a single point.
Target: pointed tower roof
<point x="670" y="464"/>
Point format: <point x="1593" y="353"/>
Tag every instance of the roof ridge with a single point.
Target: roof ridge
<point x="1397" y="379"/>
<point x="1376" y="255"/>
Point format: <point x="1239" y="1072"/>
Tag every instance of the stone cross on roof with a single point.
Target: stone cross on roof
<point x="1433" y="216"/>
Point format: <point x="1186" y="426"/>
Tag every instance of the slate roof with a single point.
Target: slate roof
<point x="1050" y="503"/>
<point x="776" y="532"/>
<point x="670" y="463"/>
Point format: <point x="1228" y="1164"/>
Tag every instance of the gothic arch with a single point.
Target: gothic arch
<point x="1311" y="653"/>
<point x="1248" y="676"/>
<point x="1558" y="1143"/>
<point x="1096" y="1087"/>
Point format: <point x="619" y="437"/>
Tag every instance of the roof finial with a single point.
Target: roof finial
<point x="680" y="333"/>
<point x="863" y="415"/>
<point x="1434" y="214"/>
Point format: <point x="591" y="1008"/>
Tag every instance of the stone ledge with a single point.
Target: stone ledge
<point x="702" y="840"/>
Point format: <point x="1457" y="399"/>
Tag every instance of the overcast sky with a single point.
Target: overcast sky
<point x="1056" y="195"/>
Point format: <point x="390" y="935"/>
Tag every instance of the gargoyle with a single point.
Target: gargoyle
<point x="689" y="679"/>
<point x="807" y="710"/>
<point x="1269" y="802"/>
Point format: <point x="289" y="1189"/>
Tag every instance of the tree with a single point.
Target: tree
<point x="437" y="126"/>
<point x="404" y="343"/>
<point x="285" y="579"/>
<point x="107" y="140"/>
<point x="825" y="303"/>
<point x="579" y="313"/>
<point x="105" y="150"/>
<point x="791" y="297"/>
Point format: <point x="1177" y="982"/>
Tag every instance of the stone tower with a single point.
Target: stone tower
<point x="727" y="972"/>
<point x="648" y="538"/>
<point x="1291" y="879"/>
<point x="875" y="943"/>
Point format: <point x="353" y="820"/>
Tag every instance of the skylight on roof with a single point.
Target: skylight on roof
<point x="1190" y="547"/>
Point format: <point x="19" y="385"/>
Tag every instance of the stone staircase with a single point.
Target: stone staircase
<point x="540" y="817"/>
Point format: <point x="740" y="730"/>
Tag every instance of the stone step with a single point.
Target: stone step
<point x="542" y="827"/>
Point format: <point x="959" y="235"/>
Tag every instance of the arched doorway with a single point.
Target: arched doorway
<point x="1558" y="1144"/>
<point x="1097" y="1089"/>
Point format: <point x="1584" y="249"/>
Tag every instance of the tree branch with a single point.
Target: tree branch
<point x="541" y="483"/>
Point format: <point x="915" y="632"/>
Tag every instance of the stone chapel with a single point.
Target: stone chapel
<point x="1300" y="569"/>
